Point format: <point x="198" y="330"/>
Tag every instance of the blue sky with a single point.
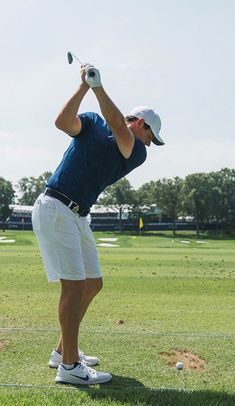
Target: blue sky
<point x="175" y="55"/>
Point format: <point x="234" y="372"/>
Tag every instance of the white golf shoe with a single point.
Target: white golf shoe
<point x="56" y="359"/>
<point x="81" y="375"/>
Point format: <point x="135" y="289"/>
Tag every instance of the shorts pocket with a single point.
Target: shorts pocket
<point x="44" y="216"/>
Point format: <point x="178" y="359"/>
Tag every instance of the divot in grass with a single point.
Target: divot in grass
<point x="190" y="360"/>
<point x="120" y="321"/>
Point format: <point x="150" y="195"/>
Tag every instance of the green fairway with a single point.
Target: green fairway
<point x="160" y="294"/>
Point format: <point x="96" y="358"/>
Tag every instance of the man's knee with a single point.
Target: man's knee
<point x="99" y="284"/>
<point x="72" y="288"/>
<point x="94" y="286"/>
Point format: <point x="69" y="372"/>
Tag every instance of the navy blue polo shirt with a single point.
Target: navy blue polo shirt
<point x="92" y="162"/>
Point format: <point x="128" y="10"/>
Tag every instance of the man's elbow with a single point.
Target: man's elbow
<point x="59" y="123"/>
<point x="62" y="124"/>
<point x="71" y="127"/>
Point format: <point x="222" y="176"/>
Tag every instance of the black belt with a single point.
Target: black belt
<point x="69" y="203"/>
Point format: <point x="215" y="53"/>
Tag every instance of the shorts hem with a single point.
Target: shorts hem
<point x="65" y="277"/>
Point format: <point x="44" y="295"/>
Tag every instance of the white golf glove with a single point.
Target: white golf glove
<point x="92" y="76"/>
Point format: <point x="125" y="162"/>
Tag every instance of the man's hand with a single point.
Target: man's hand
<point x="92" y="76"/>
<point x="83" y="75"/>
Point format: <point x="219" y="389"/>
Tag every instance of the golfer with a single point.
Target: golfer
<point x="101" y="152"/>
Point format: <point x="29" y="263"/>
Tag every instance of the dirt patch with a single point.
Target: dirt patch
<point x="120" y="322"/>
<point x="191" y="361"/>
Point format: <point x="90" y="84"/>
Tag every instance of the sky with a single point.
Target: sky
<point x="177" y="56"/>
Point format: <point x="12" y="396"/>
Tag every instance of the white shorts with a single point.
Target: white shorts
<point x="66" y="241"/>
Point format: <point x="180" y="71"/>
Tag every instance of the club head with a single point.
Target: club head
<point x="70" y="58"/>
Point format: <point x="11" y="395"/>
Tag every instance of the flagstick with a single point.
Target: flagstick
<point x="141" y="224"/>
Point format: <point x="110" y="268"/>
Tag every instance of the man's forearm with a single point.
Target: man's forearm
<point x="116" y="122"/>
<point x="111" y="113"/>
<point x="69" y="111"/>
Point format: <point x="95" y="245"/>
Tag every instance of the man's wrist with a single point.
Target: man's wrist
<point x="97" y="90"/>
<point x="84" y="86"/>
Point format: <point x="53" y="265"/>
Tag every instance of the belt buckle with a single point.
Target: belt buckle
<point x="75" y="209"/>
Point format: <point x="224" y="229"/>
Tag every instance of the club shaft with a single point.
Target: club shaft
<point x="75" y="57"/>
<point x="72" y="56"/>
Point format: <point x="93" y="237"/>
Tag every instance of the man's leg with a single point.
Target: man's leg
<point x="70" y="302"/>
<point x="70" y="371"/>
<point x="86" y="294"/>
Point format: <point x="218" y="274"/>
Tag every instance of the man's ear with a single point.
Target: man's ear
<point x="140" y="122"/>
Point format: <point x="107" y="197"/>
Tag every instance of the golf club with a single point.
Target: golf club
<point x="72" y="56"/>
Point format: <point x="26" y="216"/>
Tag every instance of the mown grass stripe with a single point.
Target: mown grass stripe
<point x="87" y="389"/>
<point x="171" y="334"/>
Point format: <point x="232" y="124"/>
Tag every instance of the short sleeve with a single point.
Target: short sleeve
<point x="138" y="156"/>
<point x="86" y="121"/>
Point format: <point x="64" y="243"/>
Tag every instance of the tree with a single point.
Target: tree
<point x="196" y="196"/>
<point x="6" y="198"/>
<point x="144" y="202"/>
<point x="168" y="197"/>
<point x="146" y="194"/>
<point x="30" y="188"/>
<point x="223" y="196"/>
<point x="216" y="198"/>
<point x="121" y="195"/>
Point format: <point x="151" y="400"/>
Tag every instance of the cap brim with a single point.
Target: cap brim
<point x="156" y="139"/>
<point x="157" y="142"/>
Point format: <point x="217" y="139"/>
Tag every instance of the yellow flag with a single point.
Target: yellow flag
<point x="141" y="224"/>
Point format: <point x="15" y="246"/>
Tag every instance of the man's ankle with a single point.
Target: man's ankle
<point x="67" y="366"/>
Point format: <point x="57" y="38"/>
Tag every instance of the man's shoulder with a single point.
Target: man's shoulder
<point x="91" y="122"/>
<point x="94" y="127"/>
<point x="91" y="116"/>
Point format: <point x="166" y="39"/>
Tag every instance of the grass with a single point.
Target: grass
<point x="159" y="294"/>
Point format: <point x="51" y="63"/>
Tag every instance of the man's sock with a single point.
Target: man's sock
<point x="66" y="366"/>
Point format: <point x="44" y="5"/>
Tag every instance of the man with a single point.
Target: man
<point x="100" y="153"/>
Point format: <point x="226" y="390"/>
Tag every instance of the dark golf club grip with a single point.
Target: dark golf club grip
<point x="91" y="73"/>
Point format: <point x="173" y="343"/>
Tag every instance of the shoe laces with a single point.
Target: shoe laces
<point x="85" y="368"/>
<point x="81" y="356"/>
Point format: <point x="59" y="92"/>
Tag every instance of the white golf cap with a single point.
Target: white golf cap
<point x="152" y="119"/>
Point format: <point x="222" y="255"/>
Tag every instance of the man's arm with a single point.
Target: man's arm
<point x="116" y="121"/>
<point x="67" y="119"/>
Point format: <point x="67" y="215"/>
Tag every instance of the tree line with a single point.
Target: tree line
<point x="207" y="197"/>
